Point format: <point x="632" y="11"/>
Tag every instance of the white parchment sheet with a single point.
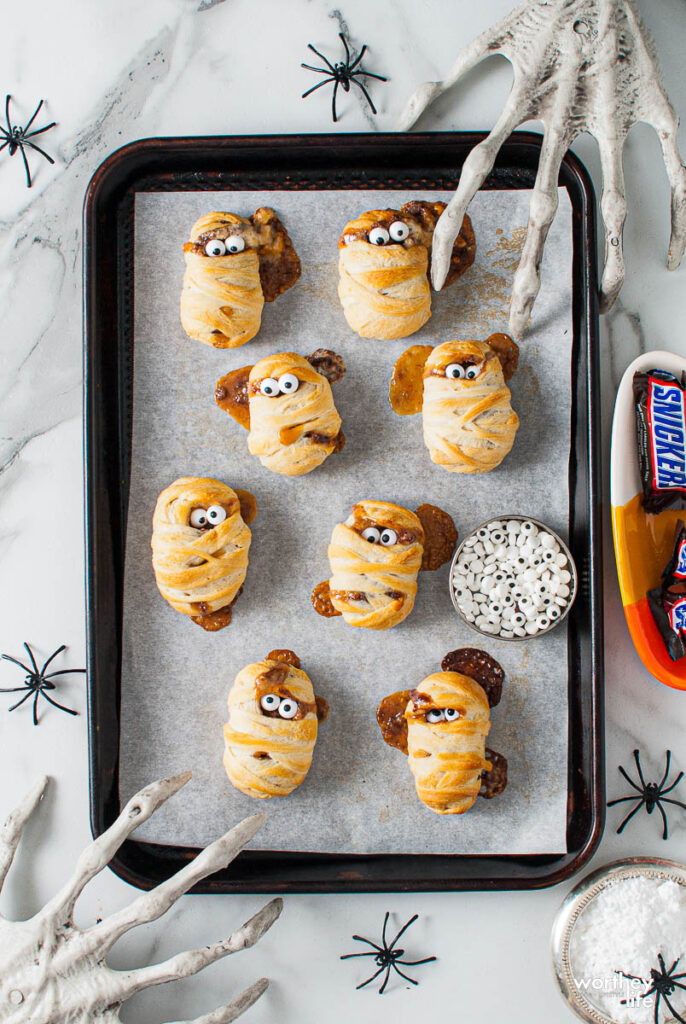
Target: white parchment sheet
<point x="359" y="796"/>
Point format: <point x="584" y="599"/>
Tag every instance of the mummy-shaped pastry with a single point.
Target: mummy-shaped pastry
<point x="442" y="726"/>
<point x="375" y="556"/>
<point x="285" y="401"/>
<point x="459" y="387"/>
<point x="272" y="729"/>
<point x="384" y="268"/>
<point x="233" y="266"/>
<point x="200" y="544"/>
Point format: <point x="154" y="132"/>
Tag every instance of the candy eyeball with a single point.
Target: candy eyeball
<point x="270" y="702"/>
<point x="198" y="518"/>
<point x="472" y="372"/>
<point x="288" y="708"/>
<point x="288" y="383"/>
<point x="234" y="244"/>
<point x="435" y="715"/>
<point x="454" y="371"/>
<point x="216" y="515"/>
<point x="215" y="247"/>
<point x="378" y="236"/>
<point x="388" y="537"/>
<point x="451" y="714"/>
<point x="372" y="535"/>
<point x="270" y="387"/>
<point x="399" y="231"/>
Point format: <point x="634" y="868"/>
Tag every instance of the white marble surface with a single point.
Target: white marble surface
<point x="116" y="71"/>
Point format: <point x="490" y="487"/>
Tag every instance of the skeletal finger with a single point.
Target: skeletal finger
<point x="542" y="210"/>
<point x="676" y="172"/>
<point x="151" y="905"/>
<point x="613" y="208"/>
<point x="14" y="825"/>
<point x="475" y="170"/>
<point x="96" y="856"/>
<point x="183" y="965"/>
<point x="233" y="1010"/>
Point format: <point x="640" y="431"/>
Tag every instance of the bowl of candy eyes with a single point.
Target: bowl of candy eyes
<point x="513" y="578"/>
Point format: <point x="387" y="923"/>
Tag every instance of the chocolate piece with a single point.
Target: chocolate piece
<point x="479" y="666"/>
<point x="661" y="438"/>
<point x="495" y="780"/>
<point x="440" y="536"/>
<point x="668" y="601"/>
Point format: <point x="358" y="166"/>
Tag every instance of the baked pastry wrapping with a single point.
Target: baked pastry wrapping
<point x="459" y="386"/>
<point x="384" y="268"/>
<point x="442" y="726"/>
<point x="272" y="728"/>
<point x="200" y="544"/>
<point x="233" y="266"/>
<point x="375" y="556"/>
<point x="287" y="404"/>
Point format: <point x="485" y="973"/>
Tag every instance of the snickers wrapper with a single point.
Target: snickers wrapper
<point x="660" y="400"/>
<point x="668" y="601"/>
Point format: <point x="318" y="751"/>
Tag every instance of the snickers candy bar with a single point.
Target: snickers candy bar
<point x="661" y="437"/>
<point x="668" y="601"/>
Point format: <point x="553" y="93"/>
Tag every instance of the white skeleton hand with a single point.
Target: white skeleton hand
<point x="579" y="66"/>
<point x="51" y="972"/>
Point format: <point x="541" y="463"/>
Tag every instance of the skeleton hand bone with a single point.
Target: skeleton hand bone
<point x="579" y="66"/>
<point x="51" y="972"/>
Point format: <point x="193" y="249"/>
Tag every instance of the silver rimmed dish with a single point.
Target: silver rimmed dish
<point x="570" y="565"/>
<point x="572" y="910"/>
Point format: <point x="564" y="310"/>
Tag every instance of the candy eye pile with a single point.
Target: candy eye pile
<point x="286" y="706"/>
<point x="285" y="385"/>
<point x="206" y="518"/>
<point x="512" y="579"/>
<point x="442" y="715"/>
<point x="375" y="536"/>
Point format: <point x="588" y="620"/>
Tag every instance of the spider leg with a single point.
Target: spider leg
<point x="629" y="816"/>
<point x="8" y="657"/>
<point x="315" y="87"/>
<point x="54" y="703"/>
<point x="668" y="800"/>
<point x="385" y="981"/>
<point x="668" y="761"/>
<point x="39" y="131"/>
<point x="33" y="117"/>
<point x="672" y="1010"/>
<point x="347" y="51"/>
<point x="63" y="672"/>
<point x="320" y="71"/>
<point x="350" y="956"/>
<point x="413" y="963"/>
<point x="403" y="929"/>
<point x="369" y="74"/>
<point x="51" y="658"/>
<point x="382" y="968"/>
<point x="15" y="689"/>
<point x="367" y="96"/>
<point x="630" y="781"/>
<point x="637" y="759"/>
<point x="35" y="707"/>
<point x="613" y="208"/>
<point x="333" y="100"/>
<point x="20" y="702"/>
<point x="7" y="113"/>
<point x="665" y="832"/>
<point x="33" y="659"/>
<point x="621" y="800"/>
<point x="14" y="825"/>
<point x="383" y="931"/>
<point x="674" y="784"/>
<point x="405" y="976"/>
<point x="41" y="151"/>
<point x="321" y="55"/>
<point x="358" y="938"/>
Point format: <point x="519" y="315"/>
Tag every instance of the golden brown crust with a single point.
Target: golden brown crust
<point x="440" y="536"/>
<point x="406" y="388"/>
<point x="248" y="503"/>
<point x="231" y="395"/>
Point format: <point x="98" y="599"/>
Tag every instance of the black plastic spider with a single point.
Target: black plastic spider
<point x="387" y="957"/>
<point x="342" y="73"/>
<point x="651" y="793"/>
<point x="37" y="682"/>
<point x="663" y="983"/>
<point x="17" y="137"/>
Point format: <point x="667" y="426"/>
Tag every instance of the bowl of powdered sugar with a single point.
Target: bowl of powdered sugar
<point x="619" y="943"/>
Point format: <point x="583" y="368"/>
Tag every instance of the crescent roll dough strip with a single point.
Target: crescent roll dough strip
<point x="288" y="433"/>
<point x="222" y="298"/>
<point x="447" y="758"/>
<point x="469" y="425"/>
<point x="250" y="734"/>
<point x="198" y="567"/>
<point x="384" y="290"/>
<point x="373" y="586"/>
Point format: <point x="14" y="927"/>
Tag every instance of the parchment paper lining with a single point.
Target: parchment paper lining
<point x="359" y="795"/>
